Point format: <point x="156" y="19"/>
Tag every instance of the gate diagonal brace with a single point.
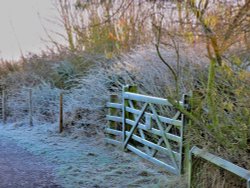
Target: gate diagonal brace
<point x="140" y="130"/>
<point x="135" y="125"/>
<point x="176" y="116"/>
<point x="174" y="161"/>
<point x="160" y="141"/>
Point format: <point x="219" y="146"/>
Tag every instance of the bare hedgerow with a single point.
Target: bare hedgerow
<point x="85" y="104"/>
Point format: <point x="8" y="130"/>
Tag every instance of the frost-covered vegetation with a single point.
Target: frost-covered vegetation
<point x="166" y="49"/>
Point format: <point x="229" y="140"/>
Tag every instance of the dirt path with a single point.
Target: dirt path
<point x="79" y="161"/>
<point x="19" y="168"/>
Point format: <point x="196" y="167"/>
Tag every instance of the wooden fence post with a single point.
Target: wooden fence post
<point x="61" y="114"/>
<point x="4" y="106"/>
<point x="185" y="143"/>
<point x="126" y="115"/>
<point x="131" y="89"/>
<point x="124" y="103"/>
<point x="30" y="108"/>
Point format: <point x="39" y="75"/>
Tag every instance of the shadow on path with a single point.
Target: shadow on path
<point x="19" y="168"/>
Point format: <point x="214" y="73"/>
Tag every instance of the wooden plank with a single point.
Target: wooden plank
<point x="113" y="99"/>
<point x="114" y="118"/>
<point x="161" y="140"/>
<point x="155" y="146"/>
<point x="241" y="172"/>
<point x="113" y="131"/>
<point x="162" y="118"/>
<point x="140" y="130"/>
<point x="147" y="99"/>
<point x="143" y="136"/>
<point x="132" y="104"/>
<point x="143" y="141"/>
<point x="168" y="145"/>
<point x="148" y="121"/>
<point x="114" y="142"/>
<point x="135" y="124"/>
<point x="148" y="127"/>
<point x="155" y="131"/>
<point x="114" y="105"/>
<point x="177" y="115"/>
<point x="159" y="144"/>
<point x="124" y="114"/>
<point x="153" y="160"/>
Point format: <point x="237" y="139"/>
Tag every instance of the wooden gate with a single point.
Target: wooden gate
<point x="137" y="125"/>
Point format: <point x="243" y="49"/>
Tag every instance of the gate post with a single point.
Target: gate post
<point x="125" y="103"/>
<point x="185" y="143"/>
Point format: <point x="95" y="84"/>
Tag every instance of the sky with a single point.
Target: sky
<point x="21" y="26"/>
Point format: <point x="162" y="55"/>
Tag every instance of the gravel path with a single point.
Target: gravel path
<point x="19" y="168"/>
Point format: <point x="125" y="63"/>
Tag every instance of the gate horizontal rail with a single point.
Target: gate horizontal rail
<point x="147" y="99"/>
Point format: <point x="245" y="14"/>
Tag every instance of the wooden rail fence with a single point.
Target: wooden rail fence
<point x="220" y="163"/>
<point x="137" y="125"/>
<point x="3" y="105"/>
<point x="26" y="105"/>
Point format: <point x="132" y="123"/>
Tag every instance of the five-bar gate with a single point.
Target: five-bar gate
<point x="139" y="125"/>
